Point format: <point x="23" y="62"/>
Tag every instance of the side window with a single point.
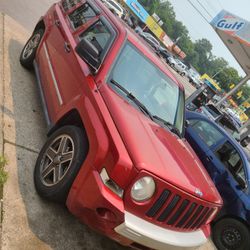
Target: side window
<point x="207" y="132"/>
<point x="99" y="35"/>
<point x="231" y="159"/>
<point x="81" y="15"/>
<point x="68" y="4"/>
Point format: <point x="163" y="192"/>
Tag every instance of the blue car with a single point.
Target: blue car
<point x="228" y="165"/>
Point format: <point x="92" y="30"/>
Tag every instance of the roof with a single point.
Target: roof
<point x="235" y="33"/>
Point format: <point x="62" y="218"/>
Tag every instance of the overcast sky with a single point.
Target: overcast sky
<point x="199" y="28"/>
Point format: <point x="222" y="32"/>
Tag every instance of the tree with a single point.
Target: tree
<point x="228" y="76"/>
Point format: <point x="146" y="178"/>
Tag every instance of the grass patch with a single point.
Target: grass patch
<point x="3" y="173"/>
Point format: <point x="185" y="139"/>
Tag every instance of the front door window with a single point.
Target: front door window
<point x="231" y="159"/>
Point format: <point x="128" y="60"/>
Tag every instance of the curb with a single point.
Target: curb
<point x="1" y="79"/>
<point x="1" y="105"/>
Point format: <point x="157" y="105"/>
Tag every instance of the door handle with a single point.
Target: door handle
<point x="67" y="47"/>
<point x="57" y="23"/>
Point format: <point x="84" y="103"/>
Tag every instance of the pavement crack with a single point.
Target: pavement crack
<point x="21" y="146"/>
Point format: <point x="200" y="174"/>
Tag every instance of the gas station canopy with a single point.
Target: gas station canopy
<point x="235" y="33"/>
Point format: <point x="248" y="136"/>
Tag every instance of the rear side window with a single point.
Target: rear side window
<point x="81" y="15"/>
<point x="207" y="132"/>
<point x="68" y="4"/>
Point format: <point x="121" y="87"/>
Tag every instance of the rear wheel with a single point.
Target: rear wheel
<point x="244" y="143"/>
<point x="28" y="53"/>
<point x="229" y="234"/>
<point x="59" y="162"/>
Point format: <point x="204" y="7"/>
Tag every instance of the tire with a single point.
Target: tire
<point x="182" y="74"/>
<point x="231" y="234"/>
<point x="59" y="161"/>
<point x="28" y="53"/>
<point x="244" y="143"/>
<point x="171" y="65"/>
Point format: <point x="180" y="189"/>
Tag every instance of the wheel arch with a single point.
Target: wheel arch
<point x="72" y="117"/>
<point x="232" y="217"/>
<point x="40" y="25"/>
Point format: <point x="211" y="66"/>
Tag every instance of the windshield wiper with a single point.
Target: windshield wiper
<point x="145" y="110"/>
<point x="133" y="98"/>
<point x="168" y="124"/>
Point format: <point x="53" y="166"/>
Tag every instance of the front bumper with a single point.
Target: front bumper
<point x="98" y="207"/>
<point x="153" y="236"/>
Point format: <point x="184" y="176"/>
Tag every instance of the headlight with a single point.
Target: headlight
<point x="143" y="189"/>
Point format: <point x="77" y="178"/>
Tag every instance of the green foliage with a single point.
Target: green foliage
<point x="3" y="173"/>
<point x="199" y="53"/>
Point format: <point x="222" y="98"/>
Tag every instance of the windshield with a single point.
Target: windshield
<point x="159" y="94"/>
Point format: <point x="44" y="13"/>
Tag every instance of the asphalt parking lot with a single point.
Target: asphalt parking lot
<point x="28" y="221"/>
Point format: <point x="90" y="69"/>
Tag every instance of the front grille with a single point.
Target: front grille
<point x="172" y="209"/>
<point x="68" y="4"/>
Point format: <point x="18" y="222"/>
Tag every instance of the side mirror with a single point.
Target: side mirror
<point x="241" y="182"/>
<point x="89" y="53"/>
<point x="186" y="123"/>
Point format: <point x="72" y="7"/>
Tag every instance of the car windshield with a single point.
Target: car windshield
<point x="159" y="93"/>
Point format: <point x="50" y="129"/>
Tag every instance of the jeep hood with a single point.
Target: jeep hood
<point x="157" y="150"/>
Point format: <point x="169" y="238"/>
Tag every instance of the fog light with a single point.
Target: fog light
<point x="106" y="214"/>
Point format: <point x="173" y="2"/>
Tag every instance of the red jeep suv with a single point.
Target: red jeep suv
<point x="115" y="151"/>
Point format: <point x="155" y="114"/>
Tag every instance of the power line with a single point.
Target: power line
<point x="212" y="7"/>
<point x="202" y="6"/>
<point x="194" y="30"/>
<point x="198" y="11"/>
<point x="220" y="4"/>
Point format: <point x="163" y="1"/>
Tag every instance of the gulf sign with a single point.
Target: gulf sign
<point x="228" y="22"/>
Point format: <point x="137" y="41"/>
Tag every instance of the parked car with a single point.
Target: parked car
<point x="164" y="53"/>
<point x="244" y="137"/>
<point x="150" y="39"/>
<point x="179" y="66"/>
<point x="115" y="152"/>
<point x="234" y="116"/>
<point x="116" y="7"/>
<point x="228" y="166"/>
<point x="194" y="78"/>
<point x="212" y="112"/>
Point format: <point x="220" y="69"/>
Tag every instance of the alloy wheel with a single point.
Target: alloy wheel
<point x="31" y="46"/>
<point x="57" y="160"/>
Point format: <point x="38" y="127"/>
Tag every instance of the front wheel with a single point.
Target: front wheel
<point x="59" y="162"/>
<point x="229" y="234"/>
<point x="28" y="53"/>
